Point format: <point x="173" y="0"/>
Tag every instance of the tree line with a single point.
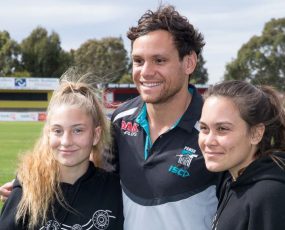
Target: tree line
<point x="259" y="61"/>
<point x="262" y="59"/>
<point x="41" y="55"/>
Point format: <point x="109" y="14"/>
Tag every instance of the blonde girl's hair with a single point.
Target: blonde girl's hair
<point x="38" y="171"/>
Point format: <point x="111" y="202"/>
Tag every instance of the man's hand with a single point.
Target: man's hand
<point x="5" y="190"/>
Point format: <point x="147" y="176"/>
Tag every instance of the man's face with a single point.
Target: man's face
<point x="158" y="72"/>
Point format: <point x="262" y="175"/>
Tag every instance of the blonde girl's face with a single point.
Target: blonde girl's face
<point x="72" y="135"/>
<point x="225" y="139"/>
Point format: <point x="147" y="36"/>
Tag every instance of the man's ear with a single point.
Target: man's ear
<point x="257" y="133"/>
<point x="97" y="135"/>
<point x="190" y="62"/>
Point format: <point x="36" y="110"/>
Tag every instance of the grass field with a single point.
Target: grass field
<point x="15" y="137"/>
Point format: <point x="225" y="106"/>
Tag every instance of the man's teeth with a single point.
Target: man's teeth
<point x="150" y="84"/>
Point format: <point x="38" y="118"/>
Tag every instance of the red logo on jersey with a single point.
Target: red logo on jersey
<point x="129" y="128"/>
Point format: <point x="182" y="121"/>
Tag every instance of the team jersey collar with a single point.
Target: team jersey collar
<point x="193" y="112"/>
<point x="143" y="122"/>
<point x="190" y="119"/>
<point x="187" y="121"/>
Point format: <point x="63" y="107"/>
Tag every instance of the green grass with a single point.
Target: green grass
<point x="15" y="137"/>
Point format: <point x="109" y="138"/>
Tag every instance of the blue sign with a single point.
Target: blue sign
<point x="20" y="82"/>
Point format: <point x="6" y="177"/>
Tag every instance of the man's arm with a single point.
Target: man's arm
<point x="5" y="190"/>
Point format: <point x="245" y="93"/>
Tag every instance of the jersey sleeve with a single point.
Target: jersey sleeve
<point x="8" y="212"/>
<point x="114" y="151"/>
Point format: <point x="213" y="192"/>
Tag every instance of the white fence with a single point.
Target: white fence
<point x="22" y="116"/>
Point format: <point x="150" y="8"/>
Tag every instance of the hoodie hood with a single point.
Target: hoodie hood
<point x="256" y="199"/>
<point x="264" y="168"/>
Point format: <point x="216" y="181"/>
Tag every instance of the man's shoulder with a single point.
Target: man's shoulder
<point x="127" y="108"/>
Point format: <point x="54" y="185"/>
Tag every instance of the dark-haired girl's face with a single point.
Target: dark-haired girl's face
<point x="225" y="139"/>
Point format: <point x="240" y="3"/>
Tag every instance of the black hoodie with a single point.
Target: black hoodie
<point x="256" y="200"/>
<point x="96" y="197"/>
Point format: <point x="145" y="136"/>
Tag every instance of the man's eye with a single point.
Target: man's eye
<point x="137" y="61"/>
<point x="160" y="61"/>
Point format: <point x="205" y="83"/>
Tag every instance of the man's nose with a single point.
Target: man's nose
<point x="147" y="69"/>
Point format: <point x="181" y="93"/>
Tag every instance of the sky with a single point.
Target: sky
<point x="226" y="25"/>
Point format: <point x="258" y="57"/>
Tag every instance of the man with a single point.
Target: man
<point x="163" y="175"/>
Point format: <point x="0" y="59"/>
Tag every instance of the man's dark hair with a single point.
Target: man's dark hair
<point x="185" y="36"/>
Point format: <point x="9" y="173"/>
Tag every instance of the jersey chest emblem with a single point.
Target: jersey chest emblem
<point x="184" y="160"/>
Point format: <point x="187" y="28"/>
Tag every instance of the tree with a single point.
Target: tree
<point x="200" y="75"/>
<point x="42" y="54"/>
<point x="9" y="55"/>
<point x="107" y="58"/>
<point x="126" y="78"/>
<point x="261" y="59"/>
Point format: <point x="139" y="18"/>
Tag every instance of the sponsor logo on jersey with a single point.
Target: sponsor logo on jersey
<point x="178" y="171"/>
<point x="183" y="163"/>
<point x="186" y="156"/>
<point x="129" y="128"/>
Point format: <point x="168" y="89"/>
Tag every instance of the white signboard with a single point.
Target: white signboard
<point x="19" y="116"/>
<point x="29" y="83"/>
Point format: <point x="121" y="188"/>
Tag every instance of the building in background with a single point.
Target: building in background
<point x="115" y="94"/>
<point x="26" y="99"/>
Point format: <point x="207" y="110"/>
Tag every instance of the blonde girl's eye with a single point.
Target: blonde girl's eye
<point x="57" y="131"/>
<point x="77" y="131"/>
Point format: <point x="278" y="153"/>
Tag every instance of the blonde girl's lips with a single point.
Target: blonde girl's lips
<point x="67" y="152"/>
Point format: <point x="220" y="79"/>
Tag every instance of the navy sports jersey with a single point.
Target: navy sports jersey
<point x="165" y="184"/>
